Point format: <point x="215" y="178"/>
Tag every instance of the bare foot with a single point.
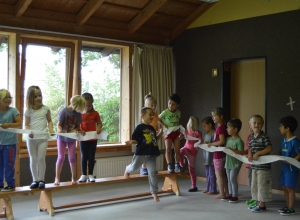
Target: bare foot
<point x="74" y="182"/>
<point x="210" y="193"/>
<point x="56" y="182"/>
<point x="205" y="191"/>
<point x="219" y="196"/>
<point x="155" y="197"/>
<point x="126" y="175"/>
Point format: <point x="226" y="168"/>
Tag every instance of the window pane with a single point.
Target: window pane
<point x="3" y="62"/>
<point x="46" y="67"/>
<point x="101" y="78"/>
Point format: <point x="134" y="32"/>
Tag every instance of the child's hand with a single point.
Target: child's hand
<point x="4" y="126"/>
<point x="255" y="156"/>
<point x="82" y="132"/>
<point x="31" y="135"/>
<point x="99" y="131"/>
<point x="208" y="144"/>
<point x="250" y="158"/>
<point x="128" y="142"/>
<point x="181" y="136"/>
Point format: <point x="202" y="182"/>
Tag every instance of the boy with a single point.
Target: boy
<point x="233" y="165"/>
<point x="170" y="118"/>
<point x="259" y="144"/>
<point x="289" y="147"/>
<point x="144" y="136"/>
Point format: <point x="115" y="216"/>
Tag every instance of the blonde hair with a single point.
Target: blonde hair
<point x="78" y="102"/>
<point x="257" y="116"/>
<point x="30" y="96"/>
<point x="150" y="98"/>
<point x="3" y="93"/>
<point x="193" y="123"/>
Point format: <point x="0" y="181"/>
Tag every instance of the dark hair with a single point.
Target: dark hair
<point x="289" y="122"/>
<point x="220" y="111"/>
<point x="208" y="120"/>
<point x="174" y="97"/>
<point x="235" y="123"/>
<point x="88" y="96"/>
<point x="145" y="109"/>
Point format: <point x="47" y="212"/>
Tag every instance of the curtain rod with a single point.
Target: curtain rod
<point x="76" y="35"/>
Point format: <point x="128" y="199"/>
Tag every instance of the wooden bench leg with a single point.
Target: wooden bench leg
<point x="171" y="183"/>
<point x="45" y="203"/>
<point x="5" y="203"/>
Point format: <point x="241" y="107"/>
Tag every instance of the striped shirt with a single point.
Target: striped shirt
<point x="258" y="144"/>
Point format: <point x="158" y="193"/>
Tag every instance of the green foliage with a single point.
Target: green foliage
<point x="3" y="47"/>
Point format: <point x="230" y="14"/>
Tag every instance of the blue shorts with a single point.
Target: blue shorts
<point x="289" y="178"/>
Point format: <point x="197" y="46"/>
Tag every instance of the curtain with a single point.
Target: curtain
<point x="155" y="67"/>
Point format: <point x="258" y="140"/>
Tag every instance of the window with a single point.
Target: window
<point x="100" y="76"/>
<point x="3" y="61"/>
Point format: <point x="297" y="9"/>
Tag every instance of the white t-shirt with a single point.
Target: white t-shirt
<point x="38" y="121"/>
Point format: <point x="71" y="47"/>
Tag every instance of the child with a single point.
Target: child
<point x="209" y="127"/>
<point x="189" y="151"/>
<point x="170" y="118"/>
<point x="37" y="117"/>
<point x="9" y="118"/>
<point x="289" y="147"/>
<point x="259" y="144"/>
<point x="233" y="165"/>
<point x="69" y="119"/>
<point x="151" y="102"/>
<point x="91" y="121"/>
<point x="144" y="136"/>
<point x="219" y="118"/>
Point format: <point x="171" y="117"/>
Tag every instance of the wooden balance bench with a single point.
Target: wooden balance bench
<point x="46" y="202"/>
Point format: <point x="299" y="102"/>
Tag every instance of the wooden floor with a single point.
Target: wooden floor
<point x="187" y="206"/>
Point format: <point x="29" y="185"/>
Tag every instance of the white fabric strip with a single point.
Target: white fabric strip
<point x="244" y="159"/>
<point x="88" y="135"/>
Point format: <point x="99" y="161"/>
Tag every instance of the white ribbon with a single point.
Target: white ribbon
<point x="261" y="160"/>
<point x="88" y="135"/>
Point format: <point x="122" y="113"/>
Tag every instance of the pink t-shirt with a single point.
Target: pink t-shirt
<point x="189" y="144"/>
<point x="221" y="129"/>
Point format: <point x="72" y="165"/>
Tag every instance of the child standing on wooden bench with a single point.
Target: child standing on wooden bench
<point x="9" y="118"/>
<point x="144" y="136"/>
<point x="69" y="119"/>
<point x="37" y="117"/>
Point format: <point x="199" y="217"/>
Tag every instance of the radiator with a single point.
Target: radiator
<point x="115" y="166"/>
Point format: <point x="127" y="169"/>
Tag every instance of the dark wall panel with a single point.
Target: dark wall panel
<point x="197" y="51"/>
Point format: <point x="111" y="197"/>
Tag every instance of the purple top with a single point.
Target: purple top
<point x="69" y="121"/>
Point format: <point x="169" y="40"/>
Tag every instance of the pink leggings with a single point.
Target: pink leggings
<point x="184" y="152"/>
<point x="61" y="150"/>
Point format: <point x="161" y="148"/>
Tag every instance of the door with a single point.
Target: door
<point x="247" y="97"/>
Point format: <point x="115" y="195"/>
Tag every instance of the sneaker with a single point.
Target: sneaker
<point x="283" y="209"/>
<point x="82" y="179"/>
<point x="8" y="188"/>
<point x="34" y="185"/>
<point x="227" y="198"/>
<point x="233" y="199"/>
<point x="193" y="189"/>
<point x="289" y="211"/>
<point x="170" y="170"/>
<point x="253" y="206"/>
<point x="143" y="171"/>
<point x="178" y="168"/>
<point x="258" y="209"/>
<point x="41" y="185"/>
<point x="91" y="178"/>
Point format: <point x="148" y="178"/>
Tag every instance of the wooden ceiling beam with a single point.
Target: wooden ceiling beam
<point x="87" y="11"/>
<point x="145" y="14"/>
<point x="21" y="7"/>
<point x="190" y="19"/>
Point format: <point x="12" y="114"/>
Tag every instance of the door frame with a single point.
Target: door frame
<point x="226" y="85"/>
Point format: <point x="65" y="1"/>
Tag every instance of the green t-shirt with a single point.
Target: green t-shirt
<point x="236" y="144"/>
<point x="171" y="119"/>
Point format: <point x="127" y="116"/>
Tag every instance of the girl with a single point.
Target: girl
<point x="209" y="127"/>
<point x="189" y="151"/>
<point x="151" y="102"/>
<point x="9" y="118"/>
<point x="37" y="117"/>
<point x="90" y="122"/>
<point x="69" y="119"/>
<point x="218" y="116"/>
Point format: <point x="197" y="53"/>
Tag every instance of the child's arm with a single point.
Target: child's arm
<point x="162" y="123"/>
<point x="99" y="126"/>
<point x="59" y="127"/>
<point x="297" y="157"/>
<point x="267" y="150"/>
<point x="250" y="156"/>
<point x="27" y="126"/>
<point x="50" y="123"/>
<point x="16" y="124"/>
<point x="220" y="142"/>
<point x="130" y="142"/>
<point x="79" y="130"/>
